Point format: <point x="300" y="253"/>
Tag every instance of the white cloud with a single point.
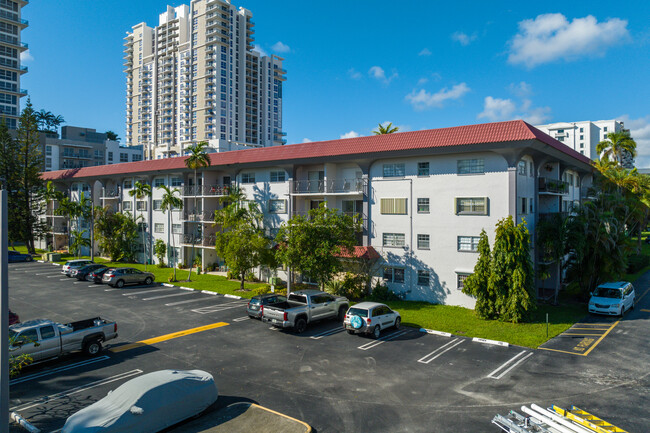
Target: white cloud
<point x="354" y="74"/>
<point x="422" y="81"/>
<point x="550" y="37"/>
<point x="306" y="140"/>
<point x="640" y="131"/>
<point x="378" y="73"/>
<point x="351" y="134"/>
<point x="522" y="89"/>
<point x="463" y="38"/>
<point x="260" y="50"/>
<point x="425" y="52"/>
<point x="422" y="100"/>
<point x="279" y="47"/>
<point x="495" y="109"/>
<point x="26" y="56"/>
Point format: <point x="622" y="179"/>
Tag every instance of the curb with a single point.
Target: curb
<point x="207" y="292"/>
<point x="168" y="285"/>
<point x="493" y="342"/>
<point x="434" y="332"/>
<point x="56" y="264"/>
<point x="232" y="296"/>
<point x="40" y="261"/>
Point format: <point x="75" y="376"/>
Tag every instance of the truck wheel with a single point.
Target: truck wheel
<point x="148" y="281"/>
<point x="350" y="332"/>
<point x="376" y="332"/>
<point x="301" y="325"/>
<point x="119" y="284"/>
<point x="398" y="322"/>
<point x="341" y="315"/>
<point x="93" y="348"/>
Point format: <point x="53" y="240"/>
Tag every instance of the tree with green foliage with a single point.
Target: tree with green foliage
<point x="116" y="234"/>
<point x="168" y="204"/>
<point x="160" y="249"/>
<point x="313" y="244"/>
<point x="30" y="185"/>
<point x="18" y="362"/>
<point x="112" y="136"/>
<point x="142" y="190"/>
<point x="387" y="129"/>
<point x="616" y="146"/>
<point x="476" y="284"/>
<point x="241" y="241"/>
<point x="78" y="240"/>
<point x="198" y="158"/>
<point x="10" y="178"/>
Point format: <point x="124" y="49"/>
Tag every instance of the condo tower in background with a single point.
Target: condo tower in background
<point x="195" y="77"/>
<point x="11" y="25"/>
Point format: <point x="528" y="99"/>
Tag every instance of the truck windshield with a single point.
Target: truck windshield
<point x="358" y="312"/>
<point x="298" y="298"/>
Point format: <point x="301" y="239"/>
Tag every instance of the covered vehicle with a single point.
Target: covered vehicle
<point x="149" y="403"/>
<point x="15" y="256"/>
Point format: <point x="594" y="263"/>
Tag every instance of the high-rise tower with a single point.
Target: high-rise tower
<point x="195" y="77"/>
<point x="11" y="25"/>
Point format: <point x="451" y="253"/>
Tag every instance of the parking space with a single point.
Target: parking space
<point x="582" y="338"/>
<point x="323" y="376"/>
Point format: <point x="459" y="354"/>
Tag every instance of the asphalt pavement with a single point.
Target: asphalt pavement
<point x="407" y="381"/>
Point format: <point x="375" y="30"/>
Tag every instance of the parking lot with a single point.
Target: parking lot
<point x="406" y="381"/>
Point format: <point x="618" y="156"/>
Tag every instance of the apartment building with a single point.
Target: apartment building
<point x="83" y="147"/>
<point x="584" y="136"/>
<point x="195" y="77"/>
<point x="11" y="26"/>
<point x="423" y="197"/>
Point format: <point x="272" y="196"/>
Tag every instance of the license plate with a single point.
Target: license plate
<point x="275" y="321"/>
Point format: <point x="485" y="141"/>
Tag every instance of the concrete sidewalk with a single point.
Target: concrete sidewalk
<point x="244" y="417"/>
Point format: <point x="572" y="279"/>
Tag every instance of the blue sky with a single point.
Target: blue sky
<point x="351" y="65"/>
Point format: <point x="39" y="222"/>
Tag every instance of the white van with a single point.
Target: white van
<point x="612" y="298"/>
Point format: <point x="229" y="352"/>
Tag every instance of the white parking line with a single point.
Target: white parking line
<point x="241" y="319"/>
<point x="76" y="390"/>
<point x="48" y="273"/>
<point x="382" y="340"/>
<point x="94" y="285"/>
<point x="65" y="279"/>
<point x="110" y="290"/>
<point x="57" y="370"/>
<point x="171" y="304"/>
<point x="144" y="291"/>
<point x="327" y="333"/>
<point x="439" y="351"/>
<point x="508" y="362"/>
<point x="54" y="276"/>
<point x="167" y="296"/>
<point x="220" y="307"/>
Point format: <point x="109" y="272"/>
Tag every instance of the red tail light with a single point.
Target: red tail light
<point x="286" y="316"/>
<point x="262" y="309"/>
<point x="115" y="327"/>
<point x="368" y="321"/>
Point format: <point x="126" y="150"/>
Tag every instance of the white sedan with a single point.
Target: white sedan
<point x="370" y="318"/>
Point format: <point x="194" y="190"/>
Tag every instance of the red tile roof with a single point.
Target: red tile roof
<point x="499" y="132"/>
<point x="359" y="252"/>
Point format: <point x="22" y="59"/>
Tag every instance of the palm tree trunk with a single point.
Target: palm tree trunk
<point x="171" y="221"/>
<point x="194" y="231"/>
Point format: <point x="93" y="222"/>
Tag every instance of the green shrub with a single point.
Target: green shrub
<point x="231" y="275"/>
<point x="353" y="286"/>
<point x="160" y="250"/>
<point x="636" y="262"/>
<point x="261" y="290"/>
<point x="250" y="277"/>
<point x="381" y="293"/>
<point x="170" y="278"/>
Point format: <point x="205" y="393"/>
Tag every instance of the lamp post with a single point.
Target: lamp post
<point x="4" y="313"/>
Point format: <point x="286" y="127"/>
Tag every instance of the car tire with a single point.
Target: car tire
<point x="148" y="281"/>
<point x="376" y="332"/>
<point x="301" y="325"/>
<point x="350" y="332"/>
<point x="68" y="275"/>
<point x="119" y="284"/>
<point x="622" y="313"/>
<point x="29" y="259"/>
<point x="93" y="348"/>
<point x="341" y="316"/>
<point x="398" y="322"/>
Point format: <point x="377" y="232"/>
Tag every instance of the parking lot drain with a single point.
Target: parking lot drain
<point x="434" y="332"/>
<point x="208" y="292"/>
<point x="494" y="342"/>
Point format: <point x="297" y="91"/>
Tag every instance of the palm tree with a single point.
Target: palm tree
<point x="86" y="211"/>
<point x="617" y="145"/>
<point x="198" y="158"/>
<point x="79" y="240"/>
<point x="52" y="194"/>
<point x="388" y="129"/>
<point x="169" y="203"/>
<point x="71" y="210"/>
<point x="57" y="121"/>
<point x="141" y="190"/>
<point x="44" y="119"/>
<point x="112" y="136"/>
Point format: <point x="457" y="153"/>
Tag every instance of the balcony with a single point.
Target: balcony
<point x="207" y="190"/>
<point x="205" y="216"/>
<point x="553" y="186"/>
<point x="202" y="240"/>
<point x="110" y="193"/>
<point x="330" y="186"/>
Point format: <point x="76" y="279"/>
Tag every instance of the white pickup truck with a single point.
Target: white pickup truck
<point x="42" y="339"/>
<point x="303" y="307"/>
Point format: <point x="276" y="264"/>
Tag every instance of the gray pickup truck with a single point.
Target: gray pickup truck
<point x="42" y="339"/>
<point x="303" y="307"/>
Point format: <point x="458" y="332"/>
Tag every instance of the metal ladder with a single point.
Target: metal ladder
<point x="516" y="423"/>
<point x="588" y="420"/>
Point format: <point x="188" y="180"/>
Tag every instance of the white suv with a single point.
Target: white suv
<point x="612" y="298"/>
<point x="74" y="264"/>
<point x="370" y="318"/>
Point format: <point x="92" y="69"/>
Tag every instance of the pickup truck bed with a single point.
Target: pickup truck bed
<point x="304" y="307"/>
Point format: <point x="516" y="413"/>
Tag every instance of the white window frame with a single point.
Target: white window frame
<point x="247" y="178"/>
<point x="157" y="204"/>
<point x="421" y="203"/>
<point x="391" y="270"/>
<point x="127" y="205"/>
<point x="470" y="166"/>
<point x="396" y="169"/>
<point x="141" y="205"/>
<point x="424" y="169"/>
<point x="424" y="241"/>
<point x="393" y="206"/>
<point x="394" y="240"/>
<point x="421" y="275"/>
<point x="460" y="279"/>
<point x="485" y="205"/>
<point x="279" y="176"/>
<point x="177" y="229"/>
<point x="471" y="241"/>
<point x="159" y="228"/>
<point x="277" y="206"/>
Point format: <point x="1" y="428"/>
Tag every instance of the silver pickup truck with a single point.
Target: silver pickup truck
<point x="42" y="339"/>
<point x="305" y="306"/>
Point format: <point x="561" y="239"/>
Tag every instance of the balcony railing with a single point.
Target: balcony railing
<point x="330" y="186"/>
<point x="553" y="186"/>
<point x="198" y="216"/>
<point x="210" y="190"/>
<point x="357" y="216"/>
<point x="110" y="193"/>
<point x="205" y="240"/>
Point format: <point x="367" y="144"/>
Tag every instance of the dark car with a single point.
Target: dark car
<point x="255" y="307"/>
<point x="13" y="318"/>
<point x="96" y="275"/>
<point x="83" y="272"/>
<point x="15" y="256"/>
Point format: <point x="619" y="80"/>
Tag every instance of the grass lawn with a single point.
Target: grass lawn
<point x="645" y="250"/>
<point x="463" y="321"/>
